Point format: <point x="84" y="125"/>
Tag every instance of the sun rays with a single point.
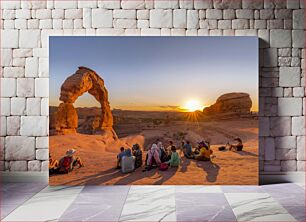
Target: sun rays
<point x="193" y="105"/>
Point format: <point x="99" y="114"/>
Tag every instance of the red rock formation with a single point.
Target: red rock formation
<point x="230" y="103"/>
<point x="66" y="118"/>
<point x="91" y="125"/>
<point x="84" y="80"/>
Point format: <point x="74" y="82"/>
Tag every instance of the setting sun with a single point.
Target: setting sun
<point x="193" y="105"/>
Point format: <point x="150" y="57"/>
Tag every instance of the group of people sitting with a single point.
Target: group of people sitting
<point x="157" y="156"/>
<point x="161" y="157"/>
<point x="201" y="153"/>
<point x="129" y="159"/>
<point x="66" y="164"/>
<point x="164" y="157"/>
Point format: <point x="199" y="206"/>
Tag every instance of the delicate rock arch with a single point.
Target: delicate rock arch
<point x="84" y="80"/>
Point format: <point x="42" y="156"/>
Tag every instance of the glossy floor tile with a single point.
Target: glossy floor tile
<point x="22" y="187"/>
<point x="203" y="207"/>
<point x="97" y="203"/>
<point x="257" y="207"/>
<point x="290" y="199"/>
<point x="149" y="203"/>
<point x="15" y="194"/>
<point x="298" y="212"/>
<point x="38" y="202"/>
<point x="242" y="189"/>
<point x="283" y="188"/>
<point x="6" y="210"/>
<point x="198" y="189"/>
<point x="47" y="205"/>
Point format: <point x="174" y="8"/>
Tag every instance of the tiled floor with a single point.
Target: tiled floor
<point x="39" y="202"/>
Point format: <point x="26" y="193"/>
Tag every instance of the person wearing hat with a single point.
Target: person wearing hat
<point x="238" y="146"/>
<point x="69" y="161"/>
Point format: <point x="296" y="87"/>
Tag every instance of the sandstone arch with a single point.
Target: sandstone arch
<point x="83" y="80"/>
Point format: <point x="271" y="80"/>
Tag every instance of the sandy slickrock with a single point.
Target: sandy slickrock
<point x="90" y="125"/>
<point x="65" y="120"/>
<point x="99" y="154"/>
<point x="230" y="102"/>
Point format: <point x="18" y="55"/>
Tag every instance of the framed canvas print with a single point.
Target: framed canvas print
<point x="153" y="110"/>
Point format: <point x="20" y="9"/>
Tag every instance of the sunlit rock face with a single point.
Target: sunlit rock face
<point x="65" y="119"/>
<point x="230" y="103"/>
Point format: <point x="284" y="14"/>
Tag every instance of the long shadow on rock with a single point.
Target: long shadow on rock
<point x="166" y="175"/>
<point x="135" y="176"/>
<point x="185" y="164"/>
<point x="211" y="169"/>
<point x="246" y="153"/>
<point x="96" y="179"/>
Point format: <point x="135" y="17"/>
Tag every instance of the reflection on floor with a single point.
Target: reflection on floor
<point x="39" y="202"/>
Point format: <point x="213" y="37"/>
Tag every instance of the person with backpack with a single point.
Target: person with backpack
<point x="128" y="162"/>
<point x="238" y="146"/>
<point x="175" y="158"/>
<point x="68" y="162"/>
<point x="205" y="152"/>
<point x="138" y="155"/>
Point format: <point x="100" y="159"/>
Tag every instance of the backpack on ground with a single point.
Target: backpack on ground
<point x="222" y="148"/>
<point x="163" y="166"/>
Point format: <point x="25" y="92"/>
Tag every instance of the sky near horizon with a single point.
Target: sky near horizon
<point x="158" y="73"/>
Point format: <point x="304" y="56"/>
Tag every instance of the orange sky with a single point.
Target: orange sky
<point x="158" y="73"/>
<point x="87" y="100"/>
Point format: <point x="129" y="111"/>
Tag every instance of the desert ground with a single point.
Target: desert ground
<point x="99" y="153"/>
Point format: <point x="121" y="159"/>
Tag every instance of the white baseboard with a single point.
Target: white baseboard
<point x="25" y="177"/>
<point x="264" y="177"/>
<point x="281" y="177"/>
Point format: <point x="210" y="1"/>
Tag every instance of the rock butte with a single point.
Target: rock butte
<point x="65" y="119"/>
<point x="230" y="103"/>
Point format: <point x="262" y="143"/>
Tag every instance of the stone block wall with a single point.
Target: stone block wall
<point x="26" y="25"/>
